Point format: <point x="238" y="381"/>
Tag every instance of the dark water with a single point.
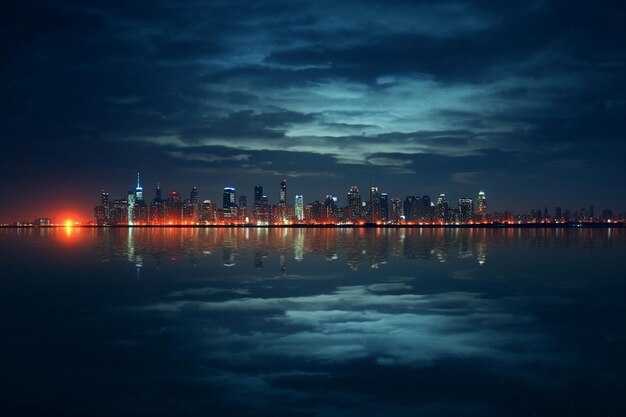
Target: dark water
<point x="313" y="322"/>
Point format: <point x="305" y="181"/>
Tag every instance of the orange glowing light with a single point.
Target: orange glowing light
<point x="69" y="223"/>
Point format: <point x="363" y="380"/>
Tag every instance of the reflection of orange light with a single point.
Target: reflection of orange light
<point x="72" y="233"/>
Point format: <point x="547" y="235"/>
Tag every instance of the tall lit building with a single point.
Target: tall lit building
<point x="406" y="207"/>
<point x="258" y="193"/>
<point x="229" y="197"/>
<point x="229" y="203"/>
<point x="98" y="215"/>
<point x="466" y="209"/>
<point x="208" y="212"/>
<point x="331" y="211"/>
<point x="157" y="194"/>
<point x="374" y="205"/>
<point x="283" y="192"/>
<point x="280" y="213"/>
<point x="262" y="211"/>
<point x="194" y="201"/>
<point x="193" y="196"/>
<point x="481" y="206"/>
<point x="441" y="210"/>
<point x="120" y="211"/>
<point x="417" y="209"/>
<point x="140" y="209"/>
<point x="299" y="205"/>
<point x="258" y="196"/>
<point x="138" y="190"/>
<point x="158" y="207"/>
<point x="243" y="207"/>
<point x="427" y="209"/>
<point x="354" y="204"/>
<point x="174" y="207"/>
<point x="558" y="214"/>
<point x="384" y="207"/>
<point x="396" y="210"/>
<point x="106" y="207"/>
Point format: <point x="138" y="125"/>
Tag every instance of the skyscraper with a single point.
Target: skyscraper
<point x="299" y="205"/>
<point x="406" y="207"/>
<point x="262" y="211"/>
<point x="384" y="207"/>
<point x="157" y="208"/>
<point x="140" y="208"/>
<point x="120" y="211"/>
<point x="174" y="207"/>
<point x="426" y="212"/>
<point x="374" y="205"/>
<point x="442" y="208"/>
<point x="229" y="197"/>
<point x="157" y="194"/>
<point x="194" y="200"/>
<point x="396" y="210"/>
<point x="331" y="211"/>
<point x="283" y="192"/>
<point x="229" y="205"/>
<point x="138" y="190"/>
<point x="481" y="206"/>
<point x="258" y="193"/>
<point x="354" y="204"/>
<point x="98" y="215"/>
<point x="280" y="213"/>
<point x="106" y="207"/>
<point x="193" y="196"/>
<point x="466" y="209"/>
<point x="243" y="207"/>
<point x="257" y="209"/>
<point x="208" y="212"/>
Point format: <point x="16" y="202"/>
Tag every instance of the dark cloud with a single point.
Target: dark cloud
<point x="247" y="124"/>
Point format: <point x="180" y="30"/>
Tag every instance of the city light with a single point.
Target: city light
<point x="378" y="210"/>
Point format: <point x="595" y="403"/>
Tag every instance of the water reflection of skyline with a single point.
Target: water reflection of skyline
<point x="358" y="248"/>
<point x="214" y="312"/>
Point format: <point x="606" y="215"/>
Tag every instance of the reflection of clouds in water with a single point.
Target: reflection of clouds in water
<point x="296" y="347"/>
<point x="197" y="292"/>
<point x="358" y="321"/>
<point x="392" y="286"/>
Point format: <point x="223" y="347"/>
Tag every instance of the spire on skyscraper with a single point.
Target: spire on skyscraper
<point x="138" y="190"/>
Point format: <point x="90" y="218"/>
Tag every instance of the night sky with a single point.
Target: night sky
<point x="526" y="100"/>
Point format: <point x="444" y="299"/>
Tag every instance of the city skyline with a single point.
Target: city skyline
<point x="464" y="208"/>
<point x="356" y="209"/>
<point x="372" y="205"/>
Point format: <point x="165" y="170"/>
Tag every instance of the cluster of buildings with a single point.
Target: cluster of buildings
<point x="371" y="208"/>
<point x="375" y="208"/>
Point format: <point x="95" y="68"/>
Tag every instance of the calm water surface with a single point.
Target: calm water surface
<point x="313" y="322"/>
